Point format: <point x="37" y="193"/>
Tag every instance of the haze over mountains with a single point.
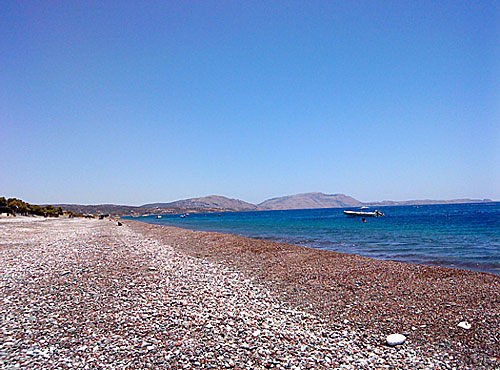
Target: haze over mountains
<point x="216" y="203"/>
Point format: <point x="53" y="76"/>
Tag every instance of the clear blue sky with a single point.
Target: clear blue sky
<point x="135" y="102"/>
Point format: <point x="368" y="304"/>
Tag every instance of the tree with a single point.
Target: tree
<point x="14" y="205"/>
<point x="34" y="209"/>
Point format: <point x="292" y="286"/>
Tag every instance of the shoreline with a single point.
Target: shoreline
<point x="432" y="263"/>
<point x="91" y="292"/>
<point x="379" y="296"/>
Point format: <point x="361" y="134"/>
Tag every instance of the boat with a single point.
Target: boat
<point x="363" y="214"/>
<point x="183" y="216"/>
<point x="158" y="216"/>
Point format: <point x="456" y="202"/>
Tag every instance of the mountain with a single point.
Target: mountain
<point x="216" y="203"/>
<point x="112" y="209"/>
<point x="310" y="200"/>
<point x="211" y="202"/>
<point x="425" y="202"/>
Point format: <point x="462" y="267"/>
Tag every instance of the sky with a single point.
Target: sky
<point x="133" y="102"/>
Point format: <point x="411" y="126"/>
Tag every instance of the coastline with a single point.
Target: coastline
<point x="456" y="236"/>
<point x="425" y="302"/>
<point x="147" y="294"/>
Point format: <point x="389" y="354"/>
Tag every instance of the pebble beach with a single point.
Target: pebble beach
<point x="89" y="294"/>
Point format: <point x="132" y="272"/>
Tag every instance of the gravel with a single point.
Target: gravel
<point x="85" y="294"/>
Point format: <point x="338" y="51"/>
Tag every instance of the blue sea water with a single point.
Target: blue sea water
<point x="455" y="235"/>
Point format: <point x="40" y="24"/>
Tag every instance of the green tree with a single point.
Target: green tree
<point x="36" y="210"/>
<point x="12" y="203"/>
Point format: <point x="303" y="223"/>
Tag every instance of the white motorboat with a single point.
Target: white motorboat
<point x="363" y="214"/>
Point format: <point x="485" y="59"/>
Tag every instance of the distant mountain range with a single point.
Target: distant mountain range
<point x="424" y="201"/>
<point x="217" y="203"/>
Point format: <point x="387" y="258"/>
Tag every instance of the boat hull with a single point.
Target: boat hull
<point x="360" y="214"/>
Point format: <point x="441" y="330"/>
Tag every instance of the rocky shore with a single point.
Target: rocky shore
<point x="85" y="294"/>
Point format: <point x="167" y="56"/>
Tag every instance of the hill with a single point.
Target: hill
<point x="211" y="202"/>
<point x="310" y="200"/>
<point x="425" y="202"/>
<point x="217" y="203"/>
<point x="112" y="209"/>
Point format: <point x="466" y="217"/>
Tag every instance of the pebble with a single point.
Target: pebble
<point x="194" y="313"/>
<point x="464" y="325"/>
<point x="395" y="339"/>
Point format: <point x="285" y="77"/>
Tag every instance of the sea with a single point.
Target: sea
<point x="465" y="236"/>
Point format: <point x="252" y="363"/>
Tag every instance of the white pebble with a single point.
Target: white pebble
<point x="464" y="325"/>
<point x="395" y="339"/>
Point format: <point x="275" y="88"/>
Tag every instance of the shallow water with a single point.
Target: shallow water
<point x="456" y="235"/>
